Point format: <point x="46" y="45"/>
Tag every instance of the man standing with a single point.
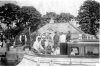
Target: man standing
<point x="62" y="38"/>
<point x="63" y="44"/>
<point x="23" y="39"/>
<point x="68" y="37"/>
<point x="56" y="40"/>
<point x="8" y="44"/>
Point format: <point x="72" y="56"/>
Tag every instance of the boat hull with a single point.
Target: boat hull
<point x="30" y="59"/>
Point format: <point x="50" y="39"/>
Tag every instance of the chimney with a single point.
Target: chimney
<point x="51" y="20"/>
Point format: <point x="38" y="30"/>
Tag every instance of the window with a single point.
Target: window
<point x="92" y="51"/>
<point x="84" y="37"/>
<point x="91" y="37"/>
<point x="88" y="37"/>
<point x="74" y="51"/>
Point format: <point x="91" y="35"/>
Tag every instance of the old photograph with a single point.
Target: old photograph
<point x="49" y="32"/>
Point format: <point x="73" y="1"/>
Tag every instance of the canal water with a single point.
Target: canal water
<point x="11" y="59"/>
<point x="4" y="62"/>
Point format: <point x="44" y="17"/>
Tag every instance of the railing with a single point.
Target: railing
<point x="52" y="62"/>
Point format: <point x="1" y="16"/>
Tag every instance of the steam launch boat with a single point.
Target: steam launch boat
<point x="86" y="53"/>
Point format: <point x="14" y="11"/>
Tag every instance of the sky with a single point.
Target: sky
<point x="57" y="6"/>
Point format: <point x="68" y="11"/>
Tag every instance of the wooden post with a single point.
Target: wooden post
<point x="29" y="37"/>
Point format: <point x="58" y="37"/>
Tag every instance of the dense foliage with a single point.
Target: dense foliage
<point x="89" y="17"/>
<point x="58" y="18"/>
<point x="15" y="19"/>
<point x="18" y="18"/>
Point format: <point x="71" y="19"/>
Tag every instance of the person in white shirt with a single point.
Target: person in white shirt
<point x="46" y="43"/>
<point x="37" y="44"/>
<point x="72" y="52"/>
<point x="62" y="38"/>
<point x="57" y="51"/>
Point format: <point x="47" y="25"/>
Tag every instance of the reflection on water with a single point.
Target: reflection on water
<point x="5" y="62"/>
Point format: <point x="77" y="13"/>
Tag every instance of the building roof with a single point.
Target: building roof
<point x="61" y="27"/>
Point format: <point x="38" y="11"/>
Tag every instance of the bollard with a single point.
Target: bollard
<point x="38" y="63"/>
<point x="51" y="63"/>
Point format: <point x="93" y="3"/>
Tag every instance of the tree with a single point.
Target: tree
<point x="8" y="14"/>
<point x="11" y="14"/>
<point x="89" y="17"/>
<point x="64" y="17"/>
<point x="31" y="16"/>
<point x="50" y="15"/>
<point x="58" y="18"/>
<point x="46" y="18"/>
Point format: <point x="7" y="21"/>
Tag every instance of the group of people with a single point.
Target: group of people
<point x="41" y="43"/>
<point x="46" y="44"/>
<point x="11" y="42"/>
<point x="5" y="42"/>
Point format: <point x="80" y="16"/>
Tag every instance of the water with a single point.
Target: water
<point x="4" y="62"/>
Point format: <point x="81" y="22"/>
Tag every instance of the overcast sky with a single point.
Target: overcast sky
<point x="57" y="6"/>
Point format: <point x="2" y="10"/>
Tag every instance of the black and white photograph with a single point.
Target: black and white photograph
<point x="49" y="32"/>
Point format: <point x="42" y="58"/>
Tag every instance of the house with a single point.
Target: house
<point x="76" y="33"/>
<point x="74" y="22"/>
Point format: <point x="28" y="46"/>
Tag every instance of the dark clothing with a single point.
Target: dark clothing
<point x="23" y="38"/>
<point x="63" y="49"/>
<point x="49" y="50"/>
<point x="56" y="40"/>
<point x="68" y="37"/>
<point x="12" y="42"/>
<point x="33" y="37"/>
<point x="1" y="37"/>
<point x="8" y="46"/>
<point x="23" y="42"/>
<point x="43" y="43"/>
